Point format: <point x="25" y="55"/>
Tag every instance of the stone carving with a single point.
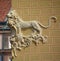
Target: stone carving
<point x="18" y="40"/>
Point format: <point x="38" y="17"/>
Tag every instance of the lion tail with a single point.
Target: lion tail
<point x="53" y="18"/>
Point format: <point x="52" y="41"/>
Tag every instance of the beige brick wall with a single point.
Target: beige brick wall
<point x="40" y="10"/>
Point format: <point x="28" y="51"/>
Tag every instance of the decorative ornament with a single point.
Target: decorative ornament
<point x="18" y="40"/>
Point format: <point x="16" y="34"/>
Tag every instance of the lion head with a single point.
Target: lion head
<point x="12" y="14"/>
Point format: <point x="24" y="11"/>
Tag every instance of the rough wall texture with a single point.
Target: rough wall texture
<point x="40" y="10"/>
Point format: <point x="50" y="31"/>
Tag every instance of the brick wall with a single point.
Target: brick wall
<point x="40" y="10"/>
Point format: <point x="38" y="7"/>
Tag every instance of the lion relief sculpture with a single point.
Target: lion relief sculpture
<point x="15" y="22"/>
